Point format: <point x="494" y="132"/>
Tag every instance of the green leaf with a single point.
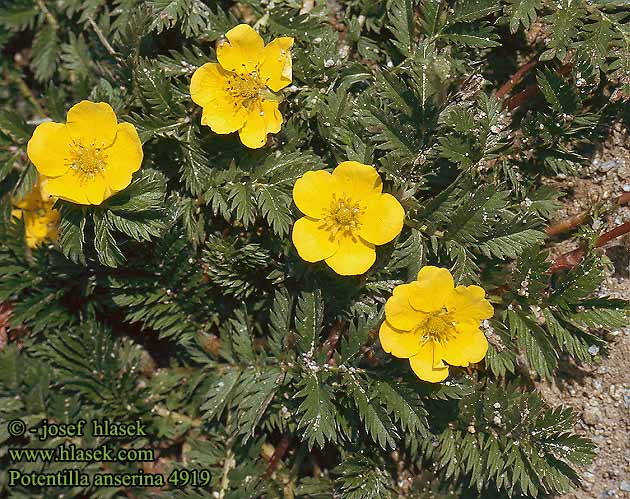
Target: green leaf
<point x="256" y="401"/>
<point x="362" y="478"/>
<point x="308" y="320"/>
<point x="533" y="339"/>
<point x="478" y="36"/>
<point x="522" y="13"/>
<point x="404" y="405"/>
<point x="565" y="23"/>
<point x="401" y="17"/>
<point x="620" y="65"/>
<point x="279" y="321"/>
<point x="13" y="124"/>
<point x="510" y="242"/>
<point x="195" y="169"/>
<point x="409" y="254"/>
<point x="18" y="14"/>
<point x="377" y="422"/>
<point x="157" y="90"/>
<point x="106" y="249"/>
<point x="580" y="282"/>
<point x="318" y="412"/>
<point x="71" y="226"/>
<point x="220" y="393"/>
<point x="432" y="18"/>
<point x="138" y="210"/>
<point x="275" y="206"/>
<point x="45" y="53"/>
<point x="471" y="10"/>
<point x="75" y="56"/>
<point x="357" y="336"/>
<point x="558" y="93"/>
<point x="192" y="14"/>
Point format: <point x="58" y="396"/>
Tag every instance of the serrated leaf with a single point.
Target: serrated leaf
<point x="558" y="93"/>
<point x="401" y="17"/>
<point x="466" y="11"/>
<point x="318" y="412"/>
<point x="477" y="36"/>
<point x="274" y="204"/>
<point x="45" y="53"/>
<point x="220" y="393"/>
<point x="106" y="249"/>
<point x="71" y="226"/>
<point x="522" y="13"/>
<point x="308" y="320"/>
<point x="377" y="422"/>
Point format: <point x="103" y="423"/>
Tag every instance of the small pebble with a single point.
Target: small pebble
<point x="591" y="416"/>
<point x="608" y="165"/>
<point x="625" y="486"/>
<point x="593" y="349"/>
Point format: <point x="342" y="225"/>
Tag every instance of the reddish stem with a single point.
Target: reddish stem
<point x="277" y="456"/>
<point x="577" y="220"/>
<point x="572" y="258"/>
<point x="518" y="77"/>
<point x="531" y="91"/>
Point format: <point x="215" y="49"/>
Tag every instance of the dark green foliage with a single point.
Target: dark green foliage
<point x="181" y="300"/>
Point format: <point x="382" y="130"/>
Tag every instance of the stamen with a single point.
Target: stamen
<point x="438" y="327"/>
<point x="343" y="217"/>
<point x="87" y="161"/>
<point x="246" y="89"/>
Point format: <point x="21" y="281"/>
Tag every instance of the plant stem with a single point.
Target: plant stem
<point x="51" y="19"/>
<point x="573" y="258"/>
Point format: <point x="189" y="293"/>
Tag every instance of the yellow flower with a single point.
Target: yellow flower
<point x="433" y="323"/>
<point x="346" y="216"/>
<point x="90" y="157"/>
<point x="40" y="220"/>
<point x="235" y="92"/>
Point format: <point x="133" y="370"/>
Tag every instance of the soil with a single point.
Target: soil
<point x="601" y="392"/>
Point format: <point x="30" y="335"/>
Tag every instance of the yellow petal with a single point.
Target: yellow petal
<point x="399" y="312"/>
<point x="92" y="123"/>
<point x="123" y="157"/>
<point x="469" y="306"/>
<point x="208" y="83"/>
<point x="275" y="63"/>
<point x="312" y="242"/>
<point x="262" y="118"/>
<point x="354" y="256"/>
<point x="433" y="289"/>
<point x="273" y="117"/>
<point x="68" y="187"/>
<point x="254" y="131"/>
<point x="357" y="180"/>
<point x="468" y="346"/>
<point x="49" y="149"/>
<point x="401" y="344"/>
<point x="37" y="227"/>
<point x="223" y="116"/>
<point x="313" y="192"/>
<point x="426" y="367"/>
<point x="383" y="219"/>
<point x="96" y="189"/>
<point x="241" y="53"/>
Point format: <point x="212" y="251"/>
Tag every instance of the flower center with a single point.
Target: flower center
<point x="87" y="161"/>
<point x="246" y="89"/>
<point x="437" y="327"/>
<point x="343" y="216"/>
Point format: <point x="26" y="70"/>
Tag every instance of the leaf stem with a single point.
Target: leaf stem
<point x="51" y="19"/>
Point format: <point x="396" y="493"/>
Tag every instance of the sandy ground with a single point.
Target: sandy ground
<point x="601" y="392"/>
